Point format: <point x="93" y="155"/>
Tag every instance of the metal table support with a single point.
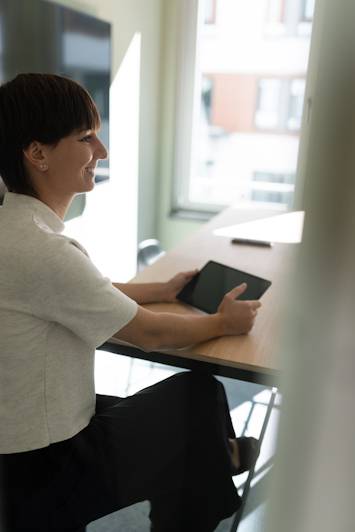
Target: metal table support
<point x="238" y="515"/>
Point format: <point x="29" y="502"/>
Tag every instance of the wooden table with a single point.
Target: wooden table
<point x="252" y="357"/>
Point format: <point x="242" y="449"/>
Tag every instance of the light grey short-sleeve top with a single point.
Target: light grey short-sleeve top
<point x="55" y="309"/>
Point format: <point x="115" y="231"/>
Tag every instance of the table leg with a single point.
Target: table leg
<point x="238" y="515"/>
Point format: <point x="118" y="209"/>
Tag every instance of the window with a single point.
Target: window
<point x="235" y="121"/>
<point x="267" y="114"/>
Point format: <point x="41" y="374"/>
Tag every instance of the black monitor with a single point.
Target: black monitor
<point x="43" y="36"/>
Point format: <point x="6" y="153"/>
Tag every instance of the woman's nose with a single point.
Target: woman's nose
<point x="101" y="151"/>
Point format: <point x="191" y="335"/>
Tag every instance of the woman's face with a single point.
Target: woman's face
<point x="71" y="163"/>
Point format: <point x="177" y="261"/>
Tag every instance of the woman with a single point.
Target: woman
<point x="69" y="457"/>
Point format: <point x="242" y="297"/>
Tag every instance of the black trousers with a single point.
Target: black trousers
<point x="167" y="444"/>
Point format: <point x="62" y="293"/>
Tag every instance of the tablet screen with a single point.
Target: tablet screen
<point x="207" y="289"/>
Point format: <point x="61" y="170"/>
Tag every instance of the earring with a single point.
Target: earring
<point x="42" y="165"/>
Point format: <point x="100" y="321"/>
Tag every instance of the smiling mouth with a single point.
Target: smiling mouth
<point x="90" y="170"/>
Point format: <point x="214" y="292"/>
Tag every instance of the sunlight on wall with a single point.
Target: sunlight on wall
<point x="124" y="135"/>
<point x="108" y="226"/>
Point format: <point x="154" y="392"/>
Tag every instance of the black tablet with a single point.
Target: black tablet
<point x="208" y="287"/>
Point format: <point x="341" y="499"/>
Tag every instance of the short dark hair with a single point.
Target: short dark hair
<point x="41" y="107"/>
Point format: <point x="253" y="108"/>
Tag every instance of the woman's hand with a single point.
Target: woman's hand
<point x="176" y="284"/>
<point x="156" y="292"/>
<point x="237" y="317"/>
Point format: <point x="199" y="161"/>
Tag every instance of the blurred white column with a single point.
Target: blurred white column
<point x="108" y="225"/>
<point x="124" y="158"/>
<point x="314" y="482"/>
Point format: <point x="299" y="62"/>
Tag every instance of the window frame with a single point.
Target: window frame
<point x="191" y="17"/>
<point x="187" y="107"/>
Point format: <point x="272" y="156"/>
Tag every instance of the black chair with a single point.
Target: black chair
<point x="149" y="251"/>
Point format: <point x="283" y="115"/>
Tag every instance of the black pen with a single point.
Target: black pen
<point x="249" y="242"/>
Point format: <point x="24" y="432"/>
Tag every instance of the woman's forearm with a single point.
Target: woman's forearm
<point x="152" y="331"/>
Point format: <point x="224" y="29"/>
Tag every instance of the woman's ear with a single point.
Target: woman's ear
<point x="34" y="154"/>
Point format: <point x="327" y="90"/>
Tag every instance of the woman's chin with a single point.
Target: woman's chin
<point x="90" y="183"/>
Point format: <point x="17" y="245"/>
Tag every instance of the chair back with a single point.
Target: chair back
<point x="149" y="251"/>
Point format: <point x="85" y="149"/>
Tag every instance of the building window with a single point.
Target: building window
<point x="210" y="11"/>
<point x="274" y="189"/>
<point x="267" y="114"/>
<point x="280" y="104"/>
<point x="206" y="99"/>
<point x="277" y="198"/>
<point x="289" y="18"/>
<point x="285" y="179"/>
<point x="276" y="11"/>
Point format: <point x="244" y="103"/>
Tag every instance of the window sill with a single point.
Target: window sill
<point x="192" y="215"/>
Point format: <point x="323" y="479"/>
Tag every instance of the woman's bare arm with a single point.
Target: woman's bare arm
<point x="152" y="331"/>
